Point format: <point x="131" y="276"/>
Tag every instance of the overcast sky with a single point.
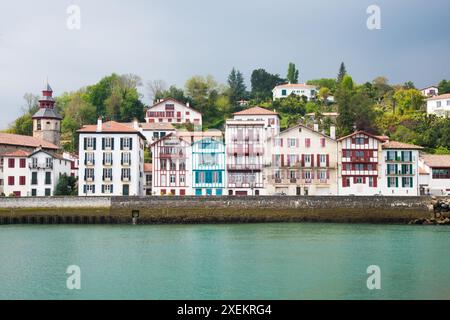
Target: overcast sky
<point x="175" y="39"/>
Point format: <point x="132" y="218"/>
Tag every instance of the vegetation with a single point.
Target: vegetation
<point x="67" y="186"/>
<point x="397" y="111"/>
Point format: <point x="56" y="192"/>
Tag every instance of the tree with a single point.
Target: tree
<point x="263" y="84"/>
<point x="346" y="118"/>
<point x="444" y="87"/>
<point x="409" y="85"/>
<point x="204" y="93"/>
<point x="24" y="124"/>
<point x="156" y="88"/>
<point x="324" y="93"/>
<point x="174" y="93"/>
<point x="292" y="73"/>
<point x="324" y="83"/>
<point x="237" y="86"/>
<point x="342" y="72"/>
<point x="408" y="100"/>
<point x="66" y="186"/>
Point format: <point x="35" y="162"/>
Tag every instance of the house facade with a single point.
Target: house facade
<point x="439" y="105"/>
<point x="285" y="90"/>
<point x="208" y="167"/>
<point x="301" y="161"/>
<point x="148" y="177"/>
<point x="174" y="112"/>
<point x="171" y="166"/>
<point x="245" y="138"/>
<point x="359" y="164"/>
<point x="400" y="169"/>
<point x="111" y="160"/>
<point x="430" y="91"/>
<point x="434" y="174"/>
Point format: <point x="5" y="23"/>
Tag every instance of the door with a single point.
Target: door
<point x="299" y="191"/>
<point x="198" y="192"/>
<point x="126" y="190"/>
<point x="209" y="192"/>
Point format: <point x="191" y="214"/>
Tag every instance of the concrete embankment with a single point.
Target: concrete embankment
<point x="153" y="210"/>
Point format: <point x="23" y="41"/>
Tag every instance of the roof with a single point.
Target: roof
<point x="109" y="127"/>
<point x="436" y="161"/>
<point x="429" y="87"/>
<point x="47" y="113"/>
<point x="17" y="154"/>
<point x="307" y="128"/>
<point x="440" y="97"/>
<point x="379" y="138"/>
<point x="47" y="87"/>
<point x="173" y="100"/>
<point x="256" y="111"/>
<point x="296" y="85"/>
<point x="52" y="154"/>
<point x="157" y="126"/>
<point x="148" y="167"/>
<point x="325" y="114"/>
<point x="400" y="145"/>
<point x="25" y="141"/>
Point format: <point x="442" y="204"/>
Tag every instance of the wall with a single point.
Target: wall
<point x="223" y="209"/>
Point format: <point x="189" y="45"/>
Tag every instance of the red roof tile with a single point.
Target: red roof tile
<point x="400" y="145"/>
<point x="436" y="161"/>
<point x="440" y="97"/>
<point x="109" y="126"/>
<point x="17" y="154"/>
<point x="148" y="167"/>
<point x="25" y="141"/>
<point x="256" y="111"/>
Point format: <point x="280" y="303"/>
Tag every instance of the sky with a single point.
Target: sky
<point x="173" y="40"/>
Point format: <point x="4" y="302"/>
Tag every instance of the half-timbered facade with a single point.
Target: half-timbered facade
<point x="174" y="112"/>
<point x="301" y="161"/>
<point x="171" y="166"/>
<point x="208" y="167"/>
<point x="359" y="164"/>
<point x="245" y="137"/>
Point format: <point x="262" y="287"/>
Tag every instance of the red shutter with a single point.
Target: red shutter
<point x="312" y="161"/>
<point x="281" y="141"/>
<point x="282" y="160"/>
<point x="375" y="182"/>
<point x="303" y="160"/>
<point x="328" y="160"/>
<point x="318" y="160"/>
<point x="344" y="182"/>
<point x="10" y="181"/>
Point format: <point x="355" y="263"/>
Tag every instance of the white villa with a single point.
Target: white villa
<point x="285" y="90"/>
<point x="439" y="105"/>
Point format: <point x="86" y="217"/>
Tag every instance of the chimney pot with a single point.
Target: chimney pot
<point x="99" y="124"/>
<point x="333" y="132"/>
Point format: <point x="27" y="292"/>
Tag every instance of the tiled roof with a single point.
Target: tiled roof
<point x="25" y="141"/>
<point x="47" y="113"/>
<point x="436" y="161"/>
<point x="440" y="97"/>
<point x="296" y="85"/>
<point x="17" y="154"/>
<point x="400" y="145"/>
<point x="173" y="100"/>
<point x="109" y="126"/>
<point x="255" y="111"/>
<point x="157" y="126"/>
<point x="148" y="167"/>
<point x="379" y="138"/>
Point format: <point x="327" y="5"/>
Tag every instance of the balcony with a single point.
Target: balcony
<point x="400" y="173"/>
<point x="244" y="167"/>
<point x="169" y="155"/>
<point x="399" y="159"/>
<point x="40" y="166"/>
<point x="249" y="185"/>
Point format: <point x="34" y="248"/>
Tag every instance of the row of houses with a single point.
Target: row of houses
<point x="254" y="157"/>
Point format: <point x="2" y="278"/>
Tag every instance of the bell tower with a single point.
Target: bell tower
<point x="47" y="121"/>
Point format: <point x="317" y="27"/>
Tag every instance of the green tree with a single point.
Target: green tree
<point x="408" y="100"/>
<point x="444" y="86"/>
<point x="324" y="83"/>
<point x="174" y="93"/>
<point x="342" y="73"/>
<point x="237" y="86"/>
<point x="66" y="186"/>
<point x="292" y="73"/>
<point x="344" y="94"/>
<point x="263" y="83"/>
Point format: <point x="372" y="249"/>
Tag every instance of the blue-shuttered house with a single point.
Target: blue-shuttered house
<point x="208" y="167"/>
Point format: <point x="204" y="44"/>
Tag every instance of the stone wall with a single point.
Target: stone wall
<point x="215" y="209"/>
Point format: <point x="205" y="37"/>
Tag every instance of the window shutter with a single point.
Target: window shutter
<point x="282" y="160"/>
<point x="411" y="182"/>
<point x="312" y="161"/>
<point x="411" y="169"/>
<point x="403" y="155"/>
<point x="121" y="146"/>
<point x="318" y="160"/>
<point x="103" y="143"/>
<point x="303" y="160"/>
<point x="95" y="143"/>
<point x="281" y="141"/>
<point x="112" y="143"/>
<point x="375" y="182"/>
<point x="84" y="189"/>
<point x="112" y="188"/>
<point x="103" y="188"/>
<point x="93" y="188"/>
<point x="85" y="144"/>
<point x="328" y="160"/>
<point x="396" y="182"/>
<point x="131" y="143"/>
<point x="328" y="174"/>
<point x="103" y="158"/>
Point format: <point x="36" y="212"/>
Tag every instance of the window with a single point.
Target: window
<point x="407" y="182"/>
<point x="308" y="142"/>
<point x="126" y="159"/>
<point x="23" y="163"/>
<point x="322" y="142"/>
<point x="33" y="192"/>
<point x="107" y="174"/>
<point x="163" y="164"/>
<point x="11" y="163"/>
<point x="438" y="104"/>
<point x="90" y="143"/>
<point x="89" y="174"/>
<point x="278" y="142"/>
<point x="89" y="158"/>
<point x="292" y="158"/>
<point x="391" y="169"/>
<point x="360" y="140"/>
<point x="359" y="180"/>
<point x="323" y="175"/>
<point x="107" y="188"/>
<point x="48" y="192"/>
<point x="182" y="165"/>
<point x="359" y="167"/>
<point x="48" y="163"/>
<point x="34" y="178"/>
<point x="284" y="92"/>
<point x="173" y="178"/>
<point x="89" y="189"/>
<point x="126" y="144"/>
<point x="10" y="181"/>
<point x="163" y="179"/>
<point x="38" y="125"/>
<point x="307" y="158"/>
<point x="323" y="158"/>
<point x="148" y="179"/>
<point x="348" y="167"/>
<point x="371" y="182"/>
<point x="292" y="175"/>
<point x="292" y="143"/>
<point x="126" y="174"/>
<point x="407" y="156"/>
<point x="392" y="182"/>
<point x="48" y="178"/>
<point x="22" y="180"/>
<point x="107" y="158"/>
<point x="108" y="143"/>
<point x="172" y="165"/>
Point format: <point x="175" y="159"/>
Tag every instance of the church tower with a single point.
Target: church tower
<point x="46" y="121"/>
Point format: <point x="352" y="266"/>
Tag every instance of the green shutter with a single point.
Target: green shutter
<point x="403" y="155"/>
<point x="411" y="183"/>
<point x="396" y="182"/>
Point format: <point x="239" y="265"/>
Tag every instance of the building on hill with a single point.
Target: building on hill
<point x="47" y="121"/>
<point x="400" y="169"/>
<point x="174" y="112"/>
<point x="246" y="136"/>
<point x="300" y="89"/>
<point x="439" y="105"/>
<point x="434" y="174"/>
<point x="430" y="91"/>
<point x="301" y="161"/>
<point x="111" y="160"/>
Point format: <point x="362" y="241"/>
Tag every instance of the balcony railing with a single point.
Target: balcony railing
<point x="399" y="159"/>
<point x="244" y="167"/>
<point x="400" y="173"/>
<point x="38" y="166"/>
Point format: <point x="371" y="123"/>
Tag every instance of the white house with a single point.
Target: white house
<point x="434" y="174"/>
<point x="400" y="169"/>
<point x="46" y="169"/>
<point x="172" y="111"/>
<point x="430" y="91"/>
<point x="111" y="160"/>
<point x="302" y="161"/>
<point x="285" y="90"/>
<point x="439" y="105"/>
<point x="16" y="173"/>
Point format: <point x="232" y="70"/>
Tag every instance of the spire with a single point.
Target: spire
<point x="47" y="87"/>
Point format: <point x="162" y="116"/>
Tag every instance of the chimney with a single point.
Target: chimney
<point x="188" y="104"/>
<point x="99" y="124"/>
<point x="316" y="127"/>
<point x="135" y="124"/>
<point x="333" y="132"/>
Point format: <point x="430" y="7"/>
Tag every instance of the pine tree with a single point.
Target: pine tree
<point x="237" y="86"/>
<point x="292" y="74"/>
<point x="342" y="73"/>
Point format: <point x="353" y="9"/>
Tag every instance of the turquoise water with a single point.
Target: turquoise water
<point x="255" y="261"/>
